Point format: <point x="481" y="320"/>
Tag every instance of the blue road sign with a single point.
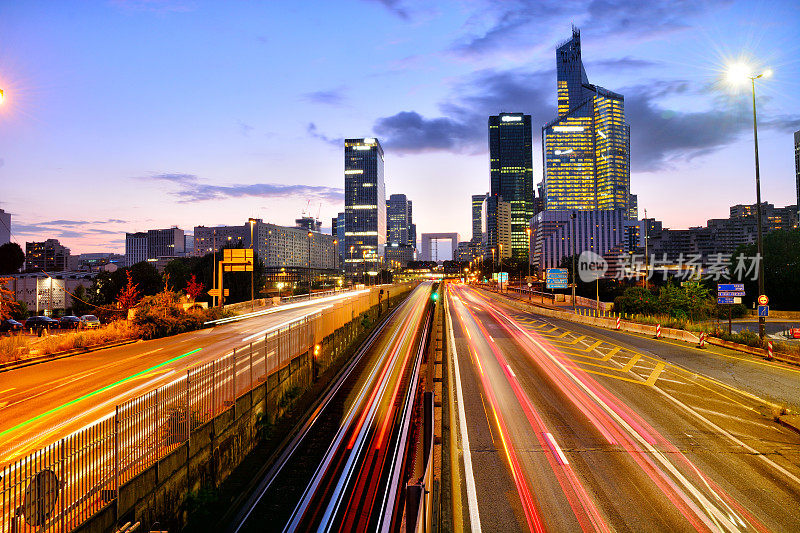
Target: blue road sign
<point x="730" y="293"/>
<point x="557" y="286"/>
<point x="763" y="310"/>
<point x="724" y="299"/>
<point x="731" y="287"/>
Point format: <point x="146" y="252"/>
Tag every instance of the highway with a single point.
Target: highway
<point x="343" y="470"/>
<point x="570" y="428"/>
<point x="42" y="403"/>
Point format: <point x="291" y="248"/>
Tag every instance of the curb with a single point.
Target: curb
<point x="14" y="365"/>
<point x="788" y="425"/>
<point x="667" y="333"/>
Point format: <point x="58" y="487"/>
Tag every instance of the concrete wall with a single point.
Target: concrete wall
<point x="158" y="495"/>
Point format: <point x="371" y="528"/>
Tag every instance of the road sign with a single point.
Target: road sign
<point x="763" y="301"/>
<point x="763" y="310"/>
<point x="730" y="293"/>
<point x="237" y="259"/>
<point x="730" y="287"/>
<point x="724" y="300"/>
<point x="214" y="293"/>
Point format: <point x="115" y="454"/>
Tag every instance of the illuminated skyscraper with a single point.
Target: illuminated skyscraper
<point x="587" y="148"/>
<point x="364" y="205"/>
<point x="511" y="171"/>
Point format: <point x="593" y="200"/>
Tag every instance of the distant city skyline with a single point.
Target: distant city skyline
<point x="129" y="115"/>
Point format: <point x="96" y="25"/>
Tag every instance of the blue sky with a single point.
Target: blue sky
<point x="129" y="115"/>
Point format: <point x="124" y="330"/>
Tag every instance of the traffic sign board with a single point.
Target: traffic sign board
<point x="763" y="310"/>
<point x="724" y="300"/>
<point x="730" y="286"/>
<point x="730" y="293"/>
<point x="763" y="300"/>
<point x="214" y="293"/>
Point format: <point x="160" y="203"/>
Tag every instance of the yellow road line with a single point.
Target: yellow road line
<point x="7" y="390"/>
<point x="638" y="382"/>
<point x="656" y="372"/>
<point x="633" y="361"/>
<point x="611" y="353"/>
<point x="592" y="347"/>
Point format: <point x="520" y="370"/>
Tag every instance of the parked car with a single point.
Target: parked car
<point x="69" y="322"/>
<point x="41" y="322"/>
<point x="90" y="321"/>
<point x="10" y="325"/>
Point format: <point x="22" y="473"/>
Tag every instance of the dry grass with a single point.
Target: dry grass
<point x="17" y="347"/>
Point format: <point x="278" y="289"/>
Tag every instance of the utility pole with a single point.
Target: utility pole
<point x="761" y="320"/>
<point x="214" y="270"/>
<point x="646" y="257"/>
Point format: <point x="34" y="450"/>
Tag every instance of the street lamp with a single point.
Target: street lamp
<point x="252" y="222"/>
<point x="528" y="233"/>
<point x="737" y="74"/>
<point x="352" y="275"/>
<point x="2" y="97"/>
<point x="500" y="266"/>
<point x="309" y="265"/>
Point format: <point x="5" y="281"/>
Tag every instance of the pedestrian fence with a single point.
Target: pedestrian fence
<point x="60" y="486"/>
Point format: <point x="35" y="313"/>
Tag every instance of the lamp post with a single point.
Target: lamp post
<point x="736" y="74"/>
<point x="352" y="276"/>
<point x="309" y="265"/>
<point x="2" y="97"/>
<point x="530" y="291"/>
<point x="500" y="265"/>
<point x="252" y="222"/>
<point x="574" y="217"/>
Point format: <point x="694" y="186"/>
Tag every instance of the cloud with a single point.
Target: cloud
<point x="623" y="63"/>
<point x="64" y="229"/>
<point x="191" y="189"/>
<point x="463" y="128"/>
<point x="244" y="128"/>
<point x="334" y="97"/>
<point x="395" y="7"/>
<point x="315" y="133"/>
<point x="512" y="23"/>
<point x="660" y="135"/>
<point x="155" y="6"/>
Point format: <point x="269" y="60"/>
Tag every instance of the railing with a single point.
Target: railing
<point x="60" y="486"/>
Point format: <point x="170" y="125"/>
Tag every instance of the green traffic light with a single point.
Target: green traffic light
<point x="434" y="296"/>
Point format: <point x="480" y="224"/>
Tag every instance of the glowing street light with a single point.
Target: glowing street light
<point x="2" y="97"/>
<point x="737" y="74"/>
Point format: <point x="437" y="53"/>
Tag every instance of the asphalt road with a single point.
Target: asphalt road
<point x="570" y="428"/>
<point x="42" y="403"/>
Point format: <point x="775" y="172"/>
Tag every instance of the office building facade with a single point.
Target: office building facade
<point x="497" y="214"/>
<point x="398" y="220"/>
<point x="46" y="256"/>
<point x="152" y="244"/>
<point x="338" y="231"/>
<point x="511" y="173"/>
<point x="364" y="205"/>
<point x="587" y="147"/>
<point x="559" y="233"/>
<point x="478" y="222"/>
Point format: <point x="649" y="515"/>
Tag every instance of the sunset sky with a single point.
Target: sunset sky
<point x="132" y="115"/>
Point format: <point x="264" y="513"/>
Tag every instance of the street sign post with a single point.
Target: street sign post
<point x="763" y="300"/>
<point x="556" y="278"/>
<point x="729" y="294"/>
<point x="763" y="310"/>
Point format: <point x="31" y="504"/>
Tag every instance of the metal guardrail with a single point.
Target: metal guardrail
<point x="60" y="486"/>
<point x="419" y="495"/>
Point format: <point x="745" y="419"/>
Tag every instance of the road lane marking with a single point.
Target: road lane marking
<point x="90" y="394"/>
<point x="629" y="366"/>
<point x="472" y="497"/>
<point x="555" y="449"/>
<point x="611" y="353"/>
<point x="7" y="390"/>
<point x="656" y="372"/>
<point x="511" y="371"/>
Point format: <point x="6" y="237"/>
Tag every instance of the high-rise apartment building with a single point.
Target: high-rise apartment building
<point x="135" y="248"/>
<point x="511" y="173"/>
<point x="154" y="243"/>
<point x="5" y="227"/>
<point x="587" y="147"/>
<point x="364" y="205"/>
<point x="46" y="256"/>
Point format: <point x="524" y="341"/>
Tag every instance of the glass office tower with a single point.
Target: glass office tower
<point x="399" y="221"/>
<point x="587" y="147"/>
<point x="511" y="172"/>
<point x="364" y="206"/>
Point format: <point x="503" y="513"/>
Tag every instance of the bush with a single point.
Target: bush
<point x="162" y="315"/>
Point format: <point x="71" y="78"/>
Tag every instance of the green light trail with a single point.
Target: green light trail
<point x="98" y="391"/>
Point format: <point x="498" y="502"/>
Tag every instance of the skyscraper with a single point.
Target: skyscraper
<point x="337" y="230"/>
<point x="478" y="224"/>
<point x="398" y="216"/>
<point x="797" y="166"/>
<point x="587" y="147"/>
<point x="511" y="172"/>
<point x="364" y="205"/>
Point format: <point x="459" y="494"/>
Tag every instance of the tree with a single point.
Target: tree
<point x="7" y="299"/>
<point x="79" y="301"/>
<point x="129" y="295"/>
<point x="11" y="258"/>
<point x="146" y="278"/>
<point x="194" y="288"/>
